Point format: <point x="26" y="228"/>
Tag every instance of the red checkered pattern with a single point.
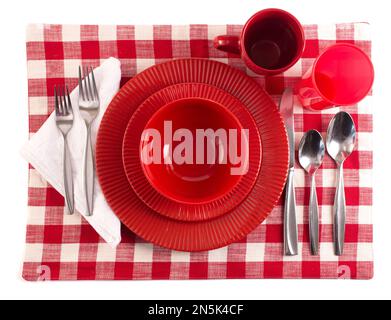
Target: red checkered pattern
<point x="63" y="247"/>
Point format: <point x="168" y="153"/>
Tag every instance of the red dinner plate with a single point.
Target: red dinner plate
<point x="191" y="192"/>
<point x="196" y="235"/>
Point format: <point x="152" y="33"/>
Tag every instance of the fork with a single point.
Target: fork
<point x="64" y="122"/>
<point x="89" y="109"/>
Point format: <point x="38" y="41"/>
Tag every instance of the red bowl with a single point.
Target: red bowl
<point x="191" y="182"/>
<point x="191" y="189"/>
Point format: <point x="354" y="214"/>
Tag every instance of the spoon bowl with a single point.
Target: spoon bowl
<point x="341" y="137"/>
<point x="311" y="151"/>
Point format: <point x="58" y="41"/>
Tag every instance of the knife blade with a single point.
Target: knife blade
<point x="290" y="224"/>
<point x="286" y="110"/>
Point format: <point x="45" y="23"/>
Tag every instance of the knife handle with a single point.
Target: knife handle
<point x="290" y="225"/>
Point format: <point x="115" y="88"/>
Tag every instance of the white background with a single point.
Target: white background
<point x="13" y="132"/>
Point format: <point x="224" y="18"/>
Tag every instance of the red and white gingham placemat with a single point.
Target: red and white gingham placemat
<point x="63" y="247"/>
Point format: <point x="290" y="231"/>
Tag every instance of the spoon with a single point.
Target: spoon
<point x="311" y="153"/>
<point x="341" y="137"/>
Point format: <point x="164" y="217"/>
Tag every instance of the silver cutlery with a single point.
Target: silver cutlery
<point x="311" y="154"/>
<point x="290" y="224"/>
<point x="64" y="122"/>
<point x="340" y="141"/>
<point x="89" y="109"/>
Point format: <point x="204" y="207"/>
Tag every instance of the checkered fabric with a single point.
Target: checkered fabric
<point x="63" y="247"/>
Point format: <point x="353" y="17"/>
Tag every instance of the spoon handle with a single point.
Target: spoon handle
<point x="290" y="225"/>
<point x="339" y="212"/>
<point x="314" y="218"/>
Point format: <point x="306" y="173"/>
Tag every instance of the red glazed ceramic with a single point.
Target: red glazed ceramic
<point x="272" y="41"/>
<point x="196" y="235"/>
<point x="189" y="187"/>
<point x="342" y="75"/>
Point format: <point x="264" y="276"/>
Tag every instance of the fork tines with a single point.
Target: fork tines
<point x="87" y="84"/>
<point x="62" y="104"/>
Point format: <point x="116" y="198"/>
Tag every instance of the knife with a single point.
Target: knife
<point x="290" y="224"/>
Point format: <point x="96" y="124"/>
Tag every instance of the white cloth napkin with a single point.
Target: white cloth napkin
<point x="45" y="149"/>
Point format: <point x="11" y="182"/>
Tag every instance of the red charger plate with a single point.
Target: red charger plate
<point x="190" y="192"/>
<point x="200" y="235"/>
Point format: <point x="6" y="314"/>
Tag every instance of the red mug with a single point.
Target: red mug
<point x="272" y="41"/>
<point x="342" y="75"/>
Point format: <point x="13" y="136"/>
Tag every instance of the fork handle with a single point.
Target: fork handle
<point x="68" y="179"/>
<point x="89" y="172"/>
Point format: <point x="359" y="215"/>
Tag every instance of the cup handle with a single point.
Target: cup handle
<point x="227" y="43"/>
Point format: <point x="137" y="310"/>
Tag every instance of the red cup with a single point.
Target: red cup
<point x="342" y="75"/>
<point x="272" y="41"/>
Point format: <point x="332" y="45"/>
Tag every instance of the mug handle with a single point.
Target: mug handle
<point x="227" y="43"/>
